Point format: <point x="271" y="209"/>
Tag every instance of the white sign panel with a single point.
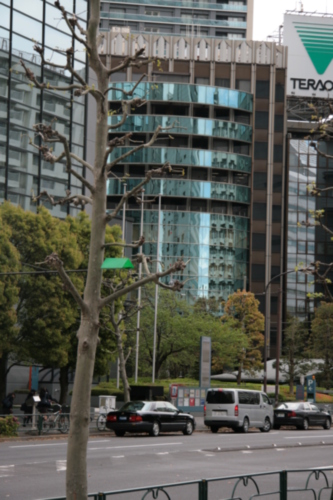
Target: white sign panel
<point x="310" y="55"/>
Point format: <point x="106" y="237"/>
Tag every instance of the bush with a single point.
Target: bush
<point x="281" y="398"/>
<point x="9" y="426"/>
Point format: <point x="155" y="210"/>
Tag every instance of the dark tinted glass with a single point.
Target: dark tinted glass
<point x="260" y="180"/>
<point x="258" y="272"/>
<point x="261" y="120"/>
<point x="278" y="152"/>
<point x="262" y="89"/>
<point x="276" y="243"/>
<point x="220" y="397"/>
<point x="279" y="92"/>
<point x="277" y="183"/>
<point x="259" y="211"/>
<point x="258" y="241"/>
<point x="275" y="271"/>
<point x="278" y="123"/>
<point x="133" y="406"/>
<point x="276" y="213"/>
<point x="260" y="150"/>
<point x="248" y="398"/>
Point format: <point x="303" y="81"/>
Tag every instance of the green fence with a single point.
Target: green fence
<point x="298" y="484"/>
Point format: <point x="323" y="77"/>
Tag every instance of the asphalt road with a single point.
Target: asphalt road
<point x="35" y="469"/>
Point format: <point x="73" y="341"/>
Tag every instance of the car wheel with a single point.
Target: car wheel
<point x="276" y="427"/>
<point x="119" y="433"/>
<point x="214" y="429"/>
<point x="246" y="425"/>
<point x="155" y="429"/>
<point x="327" y="424"/>
<point x="189" y="428"/>
<point x="267" y="425"/>
<point x="305" y="424"/>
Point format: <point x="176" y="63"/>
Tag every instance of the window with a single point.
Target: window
<point x="261" y="120"/>
<point x="262" y="89"/>
<point x="276" y="243"/>
<point x="220" y="397"/>
<point x="260" y="180"/>
<point x="276" y="213"/>
<point x="260" y="150"/>
<point x="244" y="85"/>
<point x="278" y="153"/>
<point x="258" y="272"/>
<point x="222" y="82"/>
<point x="259" y="211"/>
<point x="258" y="241"/>
<point x="279" y="92"/>
<point x="275" y="271"/>
<point x="278" y="123"/>
<point x="277" y="183"/>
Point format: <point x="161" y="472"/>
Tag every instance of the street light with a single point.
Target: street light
<point x="156" y="287"/>
<point x="139" y="298"/>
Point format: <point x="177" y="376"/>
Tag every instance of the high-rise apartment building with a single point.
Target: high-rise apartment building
<point x="22" y="169"/>
<point x="231" y="19"/>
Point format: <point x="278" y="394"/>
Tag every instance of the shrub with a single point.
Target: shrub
<point x="9" y="426"/>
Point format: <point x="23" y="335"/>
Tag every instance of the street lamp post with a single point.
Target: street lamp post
<point x="156" y="287"/>
<point x="139" y="298"/>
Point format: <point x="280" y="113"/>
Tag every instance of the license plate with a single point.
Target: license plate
<point x="122" y="418"/>
<point x="219" y="413"/>
<point x="280" y="415"/>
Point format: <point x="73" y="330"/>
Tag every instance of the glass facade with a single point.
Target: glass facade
<point x="177" y="92"/>
<point x="184" y="125"/>
<point x="205" y="201"/>
<point x="307" y="244"/>
<point x="23" y="171"/>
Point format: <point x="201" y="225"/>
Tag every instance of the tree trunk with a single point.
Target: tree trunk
<point x="63" y="380"/>
<point x="3" y="375"/>
<point x="122" y="368"/>
<point x="291" y="376"/>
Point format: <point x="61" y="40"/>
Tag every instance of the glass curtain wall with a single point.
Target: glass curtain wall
<point x="22" y="169"/>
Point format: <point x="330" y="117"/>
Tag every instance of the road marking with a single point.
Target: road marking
<point x="6" y="466"/>
<point x="247" y="452"/>
<point x="310" y="437"/>
<point x="6" y="470"/>
<point x="133" y="446"/>
<point x="207" y="455"/>
<point x="118" y="456"/>
<point x="280" y="449"/>
<point x="61" y="465"/>
<point x="38" y="445"/>
<point x="163" y="453"/>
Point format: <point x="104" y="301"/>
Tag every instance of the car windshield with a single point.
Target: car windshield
<point x="289" y="406"/>
<point x="134" y="406"/>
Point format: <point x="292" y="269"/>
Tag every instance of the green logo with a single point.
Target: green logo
<point x="318" y="42"/>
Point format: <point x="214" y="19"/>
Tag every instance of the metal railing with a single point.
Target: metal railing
<point x="281" y="485"/>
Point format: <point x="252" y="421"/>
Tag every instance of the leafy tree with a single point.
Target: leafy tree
<point x="92" y="301"/>
<point x="9" y="262"/>
<point x="242" y="308"/>
<point x="293" y="359"/>
<point x="47" y="315"/>
<point x="229" y="340"/>
<point x="322" y="339"/>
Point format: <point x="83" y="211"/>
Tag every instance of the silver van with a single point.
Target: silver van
<point x="238" y="409"/>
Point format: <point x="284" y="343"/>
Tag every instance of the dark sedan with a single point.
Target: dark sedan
<point x="151" y="417"/>
<point x="301" y="415"/>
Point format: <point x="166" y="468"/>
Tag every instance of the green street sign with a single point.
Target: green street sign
<point x="120" y="263"/>
<point x="318" y="42"/>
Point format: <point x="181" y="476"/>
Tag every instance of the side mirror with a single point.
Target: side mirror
<point x="270" y="402"/>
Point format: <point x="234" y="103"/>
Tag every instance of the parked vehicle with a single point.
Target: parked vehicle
<point x="151" y="417"/>
<point x="238" y="409"/>
<point x="301" y="415"/>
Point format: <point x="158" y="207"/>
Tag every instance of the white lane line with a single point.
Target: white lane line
<point x="209" y="455"/>
<point x="163" y="453"/>
<point x="310" y="437"/>
<point x="133" y="446"/>
<point x="118" y="456"/>
<point x="280" y="449"/>
<point x="6" y="466"/>
<point x="249" y="452"/>
<point x="6" y="470"/>
<point x="38" y="445"/>
<point x="61" y="465"/>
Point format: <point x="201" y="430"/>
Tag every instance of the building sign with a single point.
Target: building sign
<point x="205" y="361"/>
<point x="310" y="55"/>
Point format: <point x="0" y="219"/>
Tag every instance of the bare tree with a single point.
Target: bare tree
<point x="91" y="303"/>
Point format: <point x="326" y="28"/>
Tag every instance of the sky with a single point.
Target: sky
<point x="268" y="14"/>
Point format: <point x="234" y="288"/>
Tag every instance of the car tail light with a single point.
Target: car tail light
<point x="291" y="414"/>
<point x="204" y="410"/>
<point x="236" y="410"/>
<point x="135" y="418"/>
<point x="111" y="418"/>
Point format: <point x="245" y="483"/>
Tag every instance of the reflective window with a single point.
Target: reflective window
<point x="261" y="120"/>
<point x="260" y="150"/>
<point x="262" y="89"/>
<point x="5" y="16"/>
<point x="29" y="28"/>
<point x="259" y="211"/>
<point x="260" y="180"/>
<point x="258" y="241"/>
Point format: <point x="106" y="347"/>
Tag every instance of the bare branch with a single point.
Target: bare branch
<point x="83" y="162"/>
<point x="128" y="92"/>
<point x="178" y="266"/>
<point x="129" y="61"/>
<point x="55" y="262"/>
<point x="135" y="244"/>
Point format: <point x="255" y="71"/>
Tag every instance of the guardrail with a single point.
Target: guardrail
<point x="281" y="485"/>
